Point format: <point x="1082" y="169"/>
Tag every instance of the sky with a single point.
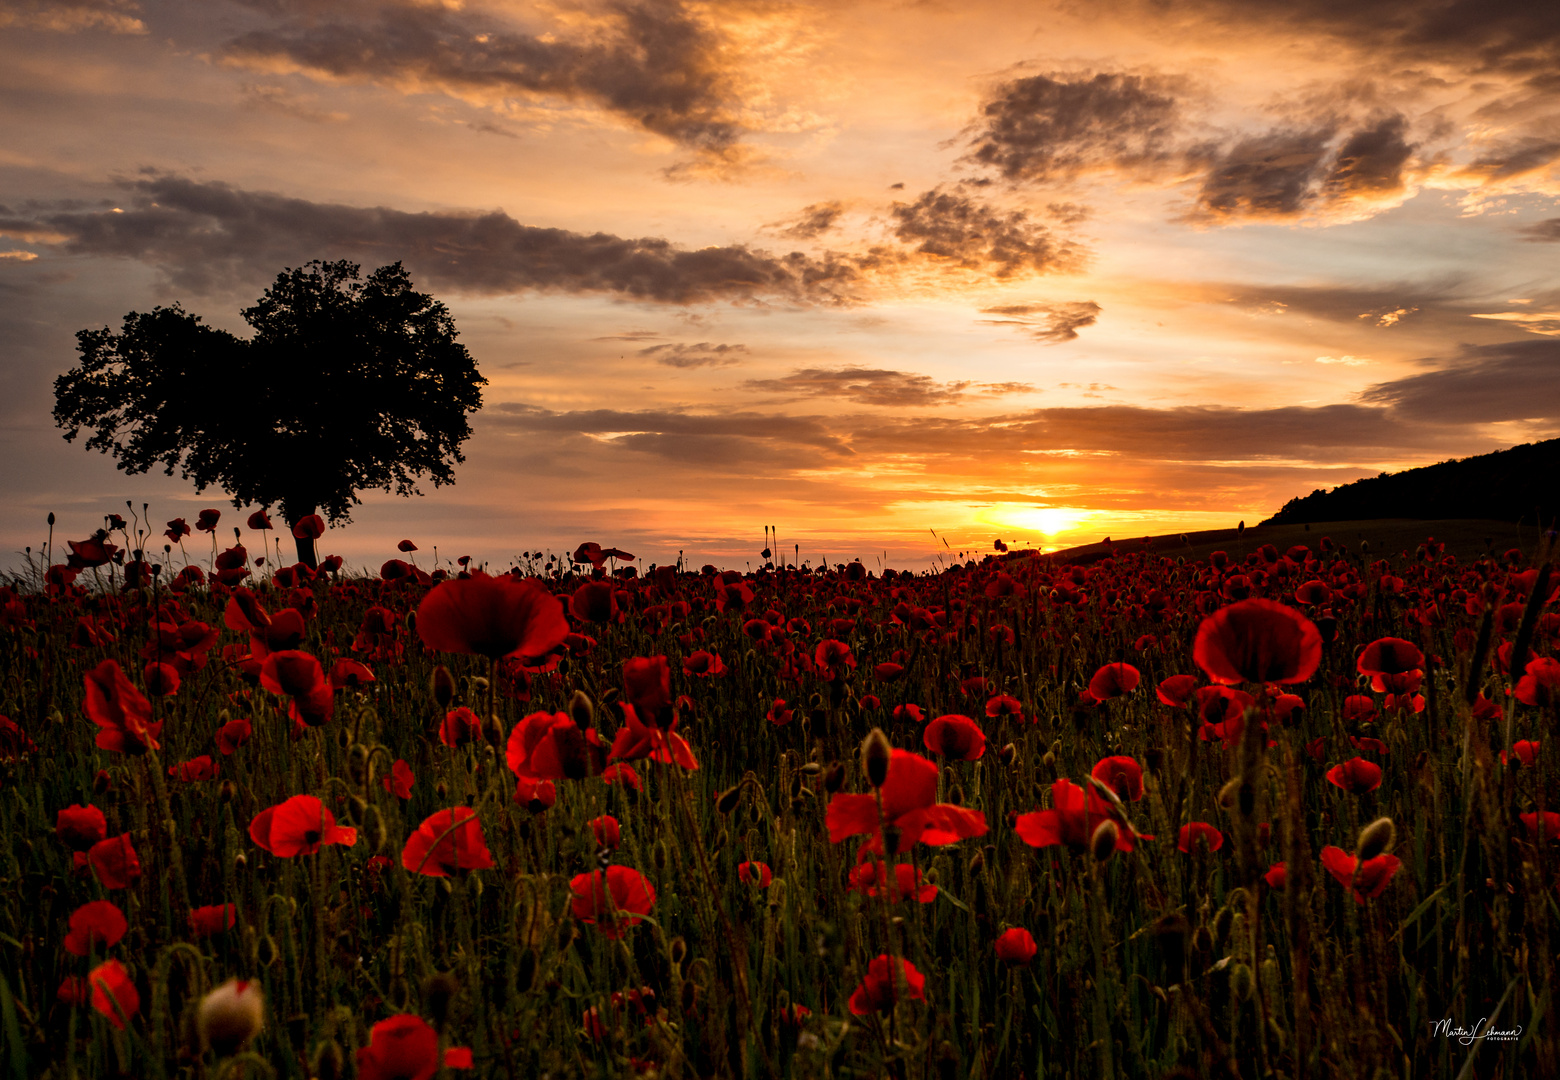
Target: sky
<point x="896" y="279"/>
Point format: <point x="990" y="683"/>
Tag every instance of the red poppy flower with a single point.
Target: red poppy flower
<point x="755" y="873"/>
<point x="1074" y="815"/>
<point x="300" y="675"/>
<point x="1257" y="641"/>
<point x="299" y="826"/>
<point x="125" y="716"/>
<point x="909" y="797"/>
<point x="1356" y="776"/>
<point x="460" y="726"/>
<point x="636" y="740"/>
<point x="350" y="674"/>
<point x="1123" y="775"/>
<point x="551" y="746"/>
<point x="833" y="658"/>
<point x="537" y="796"/>
<point x="1368" y="879"/>
<point x="162" y="680"/>
<point x="97" y="925"/>
<point x="1016" y="947"/>
<point x="1540" y="685"/>
<point x="1526" y="751"/>
<point x="233" y="734"/>
<point x="85" y="554"/>
<point x="259" y="520"/>
<point x="115" y="862"/>
<point x="880" y="989"/>
<point x="703" y="665"/>
<point x="73" y="991"/>
<point x="607" y="831"/>
<point x="887" y="672"/>
<point x="595" y="601"/>
<point x="954" y="736"/>
<point x="868" y="876"/>
<point x="1114" y="680"/>
<point x="909" y="714"/>
<point x="309" y="527"/>
<point x="492" y="617"/>
<point x="113" y="992"/>
<point x="1375" y="746"/>
<point x="779" y="714"/>
<point x="612" y="902"/>
<point x="621" y="773"/>
<point x="1199" y="830"/>
<point x="79" y="827"/>
<point x="1389" y="656"/>
<point x="207" y="522"/>
<point x="1003" y="705"/>
<point x="445" y="842"/>
<point x="1277" y="876"/>
<point x="213" y="919"/>
<point x="1177" y="689"/>
<point x="196" y="769"/>
<point x="178" y="529"/>
<point x="1550" y="822"/>
<point x="405" y="1047"/>
<point x="399" y="782"/>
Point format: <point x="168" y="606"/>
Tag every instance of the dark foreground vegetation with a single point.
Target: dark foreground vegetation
<point x="1267" y="813"/>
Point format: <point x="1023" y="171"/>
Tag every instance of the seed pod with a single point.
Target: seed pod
<point x="230" y="1016"/>
<point x="581" y="709"/>
<point x="438" y="991"/>
<point x="835" y="778"/>
<point x="1103" y="842"/>
<point x="525" y="971"/>
<point x="1379" y="836"/>
<point x="441" y="684"/>
<point x="876" y="754"/>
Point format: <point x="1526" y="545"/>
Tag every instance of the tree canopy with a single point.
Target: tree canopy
<point x="346" y="385"/>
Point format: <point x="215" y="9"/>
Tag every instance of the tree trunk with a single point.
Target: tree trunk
<point x="308" y="550"/>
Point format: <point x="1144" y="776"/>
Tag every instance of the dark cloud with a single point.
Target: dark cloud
<point x="952" y="227"/>
<point x="1055" y="126"/>
<point x="656" y="63"/>
<point x="703" y="354"/>
<point x="1542" y="232"/>
<point x="70" y="16"/>
<point x="1485" y="384"/>
<point x="1515" y="158"/>
<point x="1370" y="163"/>
<point x="864" y="386"/>
<point x="1272" y="175"/>
<point x="1050" y="323"/>
<point x="811" y="223"/>
<point x="210" y="235"/>
<point x="699" y="438"/>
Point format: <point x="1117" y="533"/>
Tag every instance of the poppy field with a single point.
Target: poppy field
<point x="1261" y="814"/>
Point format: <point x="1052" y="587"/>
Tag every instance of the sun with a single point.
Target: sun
<point x="1048" y="521"/>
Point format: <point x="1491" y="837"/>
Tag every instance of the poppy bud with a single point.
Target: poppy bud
<point x="51" y="518"/>
<point x="374" y="826"/>
<point x="1376" y="838"/>
<point x="102" y="783"/>
<point x="438" y="991"/>
<point x="581" y="709"/>
<point x="267" y="952"/>
<point x="1049" y="763"/>
<point x="875" y="755"/>
<point x="727" y="802"/>
<point x="1242" y="983"/>
<point x="1007" y="754"/>
<point x="343" y="738"/>
<point x="835" y="778"/>
<point x="443" y="790"/>
<point x="658" y="855"/>
<point x="330" y="1062"/>
<point x="1103" y="843"/>
<point x="231" y="1015"/>
<point x="441" y="684"/>
<point x="689" y="996"/>
<point x="227" y="791"/>
<point x="977" y="863"/>
<point x="812" y="768"/>
<point x="722" y="838"/>
<point x="240" y="862"/>
<point x="525" y="971"/>
<point x="1228" y="793"/>
<point x="956" y="796"/>
<point x="815" y="701"/>
<point x="679" y="952"/>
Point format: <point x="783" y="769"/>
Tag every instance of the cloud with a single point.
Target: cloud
<point x="864" y="386"/>
<point x="1346" y="361"/>
<point x="656" y="64"/>
<point x="965" y="232"/>
<point x="205" y="236"/>
<point x="1058" y="126"/>
<point x="1370" y="163"/>
<point x="1546" y="323"/>
<point x="19" y="255"/>
<point x="1486" y="384"/>
<point x="811" y="223"/>
<point x="71" y="16"/>
<point x="691" y="356"/>
<point x="279" y="99"/>
<point x="1542" y="232"/>
<point x="1049" y="323"/>
<point x="1272" y="175"/>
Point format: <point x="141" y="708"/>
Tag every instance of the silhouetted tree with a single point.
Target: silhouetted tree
<point x="346" y="385"/>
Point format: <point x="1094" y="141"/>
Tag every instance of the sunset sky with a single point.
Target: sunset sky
<point x="859" y="271"/>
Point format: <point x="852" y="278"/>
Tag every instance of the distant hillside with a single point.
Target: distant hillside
<point x="1522" y="483"/>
